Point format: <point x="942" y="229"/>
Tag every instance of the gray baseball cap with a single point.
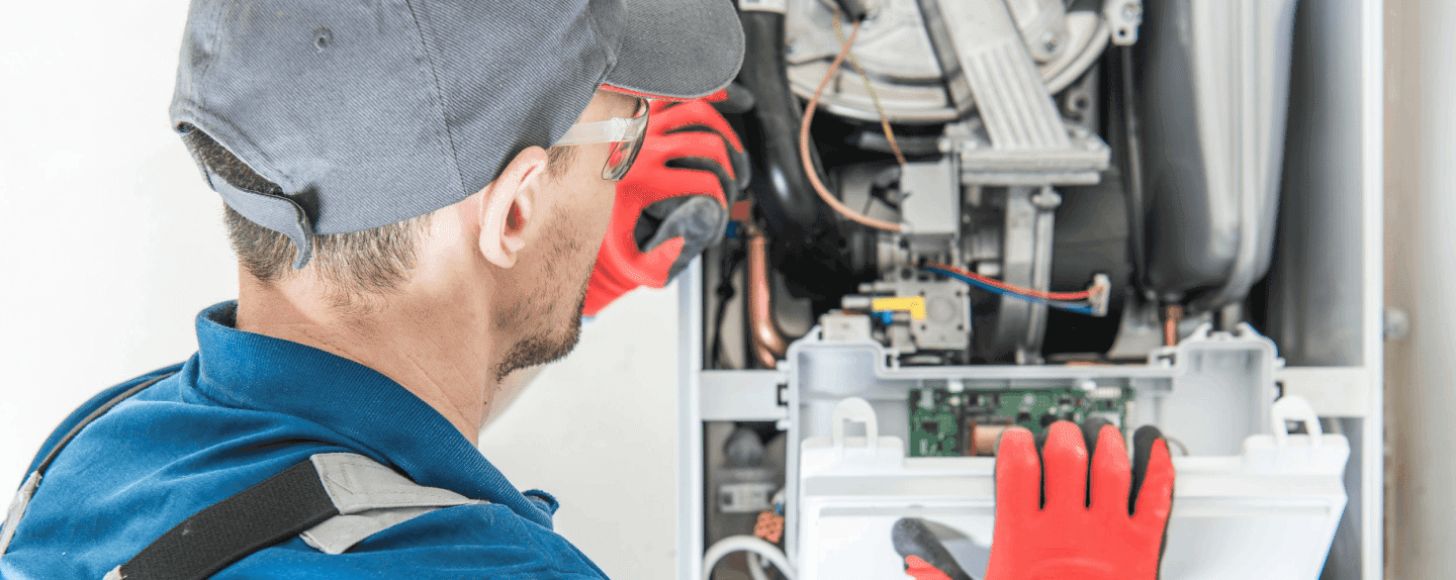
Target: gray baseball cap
<point x="371" y="112"/>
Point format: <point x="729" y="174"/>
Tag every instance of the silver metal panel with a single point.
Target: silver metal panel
<point x="1212" y="86"/>
<point x="980" y="40"/>
<point x="1332" y="391"/>
<point x="741" y="396"/>
<point x="931" y="197"/>
<point x="1325" y="297"/>
<point x="1317" y="279"/>
<point x="689" y="421"/>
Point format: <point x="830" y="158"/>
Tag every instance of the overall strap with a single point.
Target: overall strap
<point x="32" y="481"/>
<point x="332" y="500"/>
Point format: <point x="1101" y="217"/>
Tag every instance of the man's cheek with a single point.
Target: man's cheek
<point x="602" y="214"/>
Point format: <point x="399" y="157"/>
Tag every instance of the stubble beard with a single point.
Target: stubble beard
<point x="553" y="331"/>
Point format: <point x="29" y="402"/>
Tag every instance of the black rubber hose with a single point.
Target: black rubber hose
<point x="1132" y="164"/>
<point x="791" y="212"/>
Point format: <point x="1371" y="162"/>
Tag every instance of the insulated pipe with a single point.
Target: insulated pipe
<point x="768" y="342"/>
<point x="791" y="212"/>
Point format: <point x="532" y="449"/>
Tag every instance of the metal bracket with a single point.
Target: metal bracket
<point x="1022" y="139"/>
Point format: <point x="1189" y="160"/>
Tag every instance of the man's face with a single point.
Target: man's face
<point x="542" y="308"/>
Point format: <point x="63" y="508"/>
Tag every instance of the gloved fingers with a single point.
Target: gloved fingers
<point x="657" y="150"/>
<point x="1091" y="431"/>
<point x="671" y="183"/>
<point x="739" y="168"/>
<point x="718" y="126"/>
<point x="606" y="282"/>
<point x="621" y="266"/>
<point x="699" y="219"/>
<point x="631" y="264"/>
<point x="655" y="267"/>
<point x="617" y="260"/>
<point x="921" y="570"/>
<point x="1018" y="474"/>
<point x="674" y="116"/>
<point x="632" y="268"/>
<point x="1064" y="461"/>
<point x="1152" y="476"/>
<point x="726" y="182"/>
<point x="665" y="149"/>
<point x="1111" y="476"/>
<point x="701" y="122"/>
<point x="925" y="556"/>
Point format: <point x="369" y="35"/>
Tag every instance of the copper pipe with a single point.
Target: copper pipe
<point x="1172" y="315"/>
<point x="768" y="342"/>
<point x="806" y="156"/>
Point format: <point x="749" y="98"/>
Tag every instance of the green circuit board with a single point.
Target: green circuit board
<point x="945" y="423"/>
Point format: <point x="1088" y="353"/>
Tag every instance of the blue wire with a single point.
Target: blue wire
<point x="1064" y="306"/>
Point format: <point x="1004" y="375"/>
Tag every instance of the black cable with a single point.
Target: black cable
<point x="728" y="265"/>
<point x="1132" y="163"/>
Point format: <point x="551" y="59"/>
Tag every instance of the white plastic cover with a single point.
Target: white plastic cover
<point x="1269" y="512"/>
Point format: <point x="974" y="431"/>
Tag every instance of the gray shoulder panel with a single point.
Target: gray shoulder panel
<point x="17" y="510"/>
<point x="370" y="498"/>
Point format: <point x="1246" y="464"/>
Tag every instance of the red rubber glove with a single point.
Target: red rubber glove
<point x="672" y="204"/>
<point x="925" y="556"/>
<point x="922" y="570"/>
<point x="1118" y="536"/>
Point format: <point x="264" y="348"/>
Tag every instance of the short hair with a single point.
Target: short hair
<point x="355" y="264"/>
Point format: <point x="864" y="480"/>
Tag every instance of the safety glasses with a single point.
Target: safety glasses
<point x="624" y="134"/>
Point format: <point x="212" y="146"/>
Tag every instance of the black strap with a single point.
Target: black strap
<point x="279" y="508"/>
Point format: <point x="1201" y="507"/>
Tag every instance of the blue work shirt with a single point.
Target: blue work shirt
<point x="245" y="408"/>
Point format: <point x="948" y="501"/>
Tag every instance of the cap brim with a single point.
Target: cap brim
<point x="680" y="49"/>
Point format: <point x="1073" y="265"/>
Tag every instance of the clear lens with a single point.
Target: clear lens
<point x="623" y="153"/>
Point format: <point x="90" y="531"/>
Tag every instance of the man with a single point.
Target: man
<point x="416" y="192"/>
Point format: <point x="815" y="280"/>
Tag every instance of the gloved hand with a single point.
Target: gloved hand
<point x="1115" y="530"/>
<point x="924" y="555"/>
<point x="1118" y="534"/>
<point x="672" y="204"/>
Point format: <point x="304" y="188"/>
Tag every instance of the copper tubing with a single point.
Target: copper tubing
<point x="807" y="159"/>
<point x="1172" y="315"/>
<point x="768" y="342"/>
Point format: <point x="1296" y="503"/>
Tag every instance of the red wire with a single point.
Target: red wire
<point x="1009" y="287"/>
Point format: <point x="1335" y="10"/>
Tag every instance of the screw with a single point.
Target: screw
<point x="1050" y="42"/>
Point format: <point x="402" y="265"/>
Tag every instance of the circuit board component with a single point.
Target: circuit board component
<point x="950" y="423"/>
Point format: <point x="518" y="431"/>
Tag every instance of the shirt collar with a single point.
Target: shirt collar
<point x="387" y="421"/>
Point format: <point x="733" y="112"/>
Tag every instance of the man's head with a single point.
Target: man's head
<point x="399" y="155"/>
<point x="525" y="243"/>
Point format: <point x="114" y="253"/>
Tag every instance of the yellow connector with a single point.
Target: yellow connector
<point x="915" y="305"/>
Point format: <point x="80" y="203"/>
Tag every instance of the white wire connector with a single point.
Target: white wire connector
<point x="1100" y="294"/>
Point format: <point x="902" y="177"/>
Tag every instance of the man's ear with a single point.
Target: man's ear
<point x="508" y="205"/>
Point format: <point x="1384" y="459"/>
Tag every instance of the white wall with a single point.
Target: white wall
<point x="110" y="244"/>
<point x="1420" y="262"/>
<point x="109" y="241"/>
